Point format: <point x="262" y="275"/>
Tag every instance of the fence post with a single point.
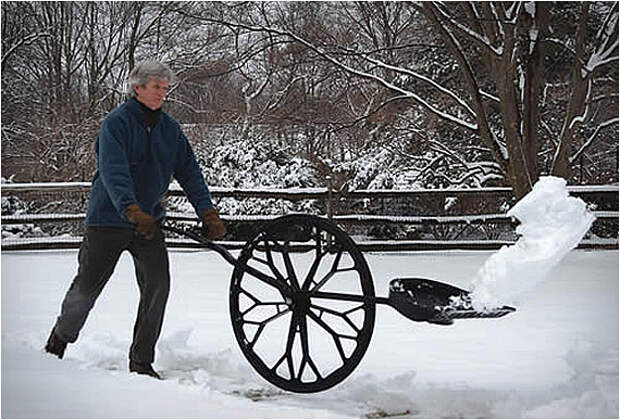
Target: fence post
<point x="329" y="197"/>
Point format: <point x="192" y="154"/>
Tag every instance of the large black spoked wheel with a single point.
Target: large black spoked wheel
<point x="302" y="303"/>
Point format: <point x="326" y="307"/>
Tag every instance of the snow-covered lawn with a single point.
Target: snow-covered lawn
<point x="557" y="356"/>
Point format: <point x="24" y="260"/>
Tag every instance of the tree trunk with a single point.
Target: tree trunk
<point x="537" y="29"/>
<point x="577" y="103"/>
<point x="518" y="175"/>
<point x="506" y="77"/>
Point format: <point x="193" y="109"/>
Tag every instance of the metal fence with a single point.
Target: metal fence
<point x="50" y="215"/>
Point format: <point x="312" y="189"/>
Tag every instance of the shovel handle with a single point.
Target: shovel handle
<point x="202" y="240"/>
<point x="206" y="243"/>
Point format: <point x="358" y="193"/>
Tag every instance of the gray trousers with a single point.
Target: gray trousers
<point x="98" y="256"/>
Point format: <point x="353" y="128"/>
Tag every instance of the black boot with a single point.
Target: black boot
<point x="143" y="369"/>
<point x="55" y="345"/>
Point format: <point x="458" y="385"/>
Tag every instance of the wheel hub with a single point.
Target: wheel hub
<point x="299" y="302"/>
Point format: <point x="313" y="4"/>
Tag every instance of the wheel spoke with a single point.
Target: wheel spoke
<point x="265" y="278"/>
<point x="342" y="315"/>
<point x="271" y="264"/>
<point x="320" y="253"/>
<point x="290" y="270"/>
<point x="335" y="336"/>
<point x="305" y="347"/>
<point x="313" y="269"/>
<point x="250" y="295"/>
<point x="331" y="272"/>
<point x="290" y="341"/>
<point x="275" y="367"/>
<point x="262" y="324"/>
<point x="257" y="304"/>
<point x="315" y="369"/>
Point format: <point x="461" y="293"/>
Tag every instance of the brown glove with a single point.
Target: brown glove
<point x="212" y="224"/>
<point x="145" y="224"/>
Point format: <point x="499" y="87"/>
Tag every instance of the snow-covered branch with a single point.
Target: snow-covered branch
<point x="23" y="42"/>
<point x="481" y="39"/>
<point x="590" y="139"/>
<point x="364" y="74"/>
<point x="425" y="79"/>
<point x="489" y="96"/>
<point x="607" y="38"/>
<point x="281" y="94"/>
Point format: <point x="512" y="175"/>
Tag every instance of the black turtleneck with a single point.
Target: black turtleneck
<point x="150" y="115"/>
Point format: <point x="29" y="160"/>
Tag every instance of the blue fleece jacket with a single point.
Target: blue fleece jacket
<point x="135" y="164"/>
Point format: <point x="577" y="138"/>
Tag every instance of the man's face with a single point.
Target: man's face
<point x="152" y="94"/>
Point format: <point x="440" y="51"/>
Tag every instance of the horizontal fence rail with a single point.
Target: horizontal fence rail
<point x="343" y="219"/>
<point x="299" y="193"/>
<point x="439" y="224"/>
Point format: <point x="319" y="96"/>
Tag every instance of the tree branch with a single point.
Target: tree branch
<point x="590" y="139"/>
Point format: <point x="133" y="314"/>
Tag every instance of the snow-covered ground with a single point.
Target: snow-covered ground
<point x="557" y="356"/>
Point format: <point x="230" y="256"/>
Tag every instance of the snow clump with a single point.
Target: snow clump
<point x="552" y="224"/>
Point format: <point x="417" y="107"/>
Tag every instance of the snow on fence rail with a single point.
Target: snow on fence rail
<point x="319" y="192"/>
<point x="344" y="219"/>
<point x="350" y="222"/>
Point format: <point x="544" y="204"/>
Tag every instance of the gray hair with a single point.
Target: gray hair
<point x="142" y="72"/>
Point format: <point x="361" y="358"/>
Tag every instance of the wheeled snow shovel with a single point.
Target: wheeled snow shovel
<point x="302" y="301"/>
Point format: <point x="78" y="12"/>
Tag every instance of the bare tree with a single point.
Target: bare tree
<point x="591" y="83"/>
<point x="63" y="67"/>
<point x="499" y="50"/>
<point x="467" y="92"/>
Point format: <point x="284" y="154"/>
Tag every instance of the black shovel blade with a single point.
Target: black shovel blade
<point x="435" y="302"/>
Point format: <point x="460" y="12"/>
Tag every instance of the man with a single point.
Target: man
<point x="139" y="149"/>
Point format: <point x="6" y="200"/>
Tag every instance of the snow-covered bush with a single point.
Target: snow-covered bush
<point x="248" y="163"/>
<point x="377" y="169"/>
<point x="256" y="163"/>
<point x="13" y="205"/>
<point x="27" y="230"/>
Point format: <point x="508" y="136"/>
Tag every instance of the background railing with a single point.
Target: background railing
<point x="50" y="215"/>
